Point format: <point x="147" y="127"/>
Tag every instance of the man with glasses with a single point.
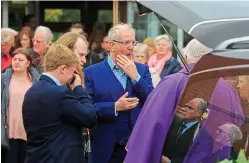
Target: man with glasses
<point x="226" y="137"/>
<point x="42" y="39"/>
<point x="119" y="88"/>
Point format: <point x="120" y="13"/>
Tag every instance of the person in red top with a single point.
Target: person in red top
<point x="7" y="41"/>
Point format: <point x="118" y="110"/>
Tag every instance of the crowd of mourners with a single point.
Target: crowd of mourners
<point x="130" y="92"/>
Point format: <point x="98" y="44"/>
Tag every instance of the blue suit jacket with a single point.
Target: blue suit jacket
<point x="105" y="88"/>
<point x="53" y="117"/>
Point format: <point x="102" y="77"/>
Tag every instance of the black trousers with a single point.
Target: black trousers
<point x="118" y="154"/>
<point x="16" y="153"/>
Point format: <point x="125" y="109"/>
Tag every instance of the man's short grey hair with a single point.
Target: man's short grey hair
<point x="12" y="31"/>
<point x="48" y="35"/>
<point x="195" y="49"/>
<point x="235" y="131"/>
<point x="163" y="37"/>
<point x="114" y="32"/>
<point x="141" y="48"/>
<point x="6" y="35"/>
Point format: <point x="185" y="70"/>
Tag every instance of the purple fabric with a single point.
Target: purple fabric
<point x="220" y="155"/>
<point x="224" y="108"/>
<point x="147" y="139"/>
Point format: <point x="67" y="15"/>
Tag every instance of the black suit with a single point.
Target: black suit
<point x="176" y="148"/>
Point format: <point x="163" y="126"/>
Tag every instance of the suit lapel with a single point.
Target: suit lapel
<point x="191" y="129"/>
<point x="189" y="133"/>
<point x="129" y="86"/>
<point x="176" y="126"/>
<point x="112" y="82"/>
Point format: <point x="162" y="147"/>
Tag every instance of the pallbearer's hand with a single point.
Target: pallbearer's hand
<point x="165" y="159"/>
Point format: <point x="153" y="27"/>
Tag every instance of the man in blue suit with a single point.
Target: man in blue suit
<point x="119" y="88"/>
<point x="54" y="115"/>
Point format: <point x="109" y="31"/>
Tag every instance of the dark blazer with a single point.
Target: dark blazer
<point x="106" y="89"/>
<point x="53" y="118"/>
<point x="176" y="149"/>
<point x="171" y="66"/>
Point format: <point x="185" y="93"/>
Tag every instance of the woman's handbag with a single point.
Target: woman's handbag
<point x="4" y="134"/>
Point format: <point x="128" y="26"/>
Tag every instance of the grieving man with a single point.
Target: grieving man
<point x="53" y="114"/>
<point x="119" y="88"/>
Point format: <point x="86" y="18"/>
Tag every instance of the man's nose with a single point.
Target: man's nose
<point x="83" y="59"/>
<point x="15" y="62"/>
<point x="131" y="47"/>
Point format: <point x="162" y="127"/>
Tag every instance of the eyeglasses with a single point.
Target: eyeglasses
<point x="220" y="131"/>
<point x="127" y="43"/>
<point x="37" y="41"/>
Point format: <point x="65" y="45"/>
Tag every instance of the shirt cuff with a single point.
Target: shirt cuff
<point x="115" y="110"/>
<point x="137" y="79"/>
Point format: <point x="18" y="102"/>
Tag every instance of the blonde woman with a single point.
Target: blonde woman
<point x="140" y="54"/>
<point x="16" y="80"/>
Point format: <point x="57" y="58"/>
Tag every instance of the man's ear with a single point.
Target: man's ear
<point x="49" y="44"/>
<point x="199" y="114"/>
<point x="3" y="44"/>
<point x="63" y="68"/>
<point x="111" y="44"/>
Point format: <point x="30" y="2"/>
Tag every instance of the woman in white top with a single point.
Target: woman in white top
<point x="141" y="55"/>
